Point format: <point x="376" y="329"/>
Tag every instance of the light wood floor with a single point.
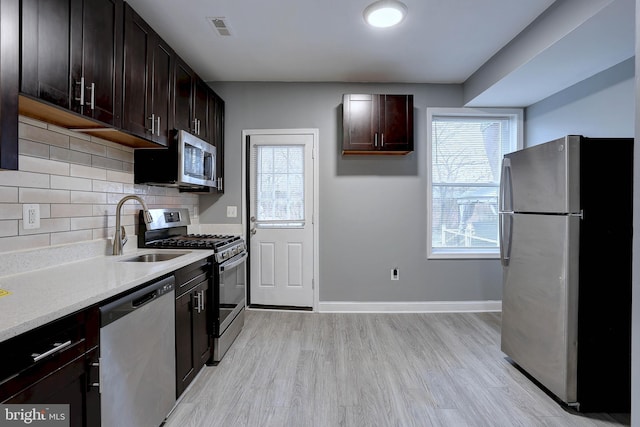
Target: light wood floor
<point x="319" y="369"/>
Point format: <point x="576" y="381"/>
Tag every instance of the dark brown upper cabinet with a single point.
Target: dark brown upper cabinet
<point x="216" y="120"/>
<point x="377" y="124"/>
<point x="184" y="80"/>
<point x="71" y="55"/>
<point x="191" y="102"/>
<point x="9" y="81"/>
<point x="148" y="75"/>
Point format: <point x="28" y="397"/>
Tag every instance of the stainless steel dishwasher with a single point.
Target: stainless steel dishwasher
<point x="137" y="356"/>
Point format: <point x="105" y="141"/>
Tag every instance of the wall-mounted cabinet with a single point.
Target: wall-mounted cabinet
<point x="191" y="102"/>
<point x="377" y="124"/>
<point x="97" y="67"/>
<point x="71" y="55"/>
<point x="148" y="80"/>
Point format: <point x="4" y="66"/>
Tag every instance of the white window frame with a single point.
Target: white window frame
<point x="516" y="117"/>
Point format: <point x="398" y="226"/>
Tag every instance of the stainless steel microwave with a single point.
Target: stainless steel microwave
<point x="188" y="163"/>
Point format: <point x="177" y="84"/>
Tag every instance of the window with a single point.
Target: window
<point x="465" y="150"/>
<point x="280" y="186"/>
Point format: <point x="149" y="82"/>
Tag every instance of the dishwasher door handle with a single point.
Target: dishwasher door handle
<point x="144" y="299"/>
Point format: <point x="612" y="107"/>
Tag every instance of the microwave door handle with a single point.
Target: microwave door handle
<point x="208" y="167"/>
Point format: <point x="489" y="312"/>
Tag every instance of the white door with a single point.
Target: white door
<point x="281" y="219"/>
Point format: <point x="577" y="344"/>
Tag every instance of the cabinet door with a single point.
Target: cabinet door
<point x="201" y="110"/>
<point x="201" y="336"/>
<point x="147" y="80"/>
<point x="137" y="57"/>
<point x="161" y="90"/>
<point x="360" y="122"/>
<point x="216" y="115"/>
<point x="182" y="96"/>
<point x="185" y="368"/>
<point x="396" y="122"/>
<point x="46" y="49"/>
<point x="102" y="59"/>
<point x="64" y="386"/>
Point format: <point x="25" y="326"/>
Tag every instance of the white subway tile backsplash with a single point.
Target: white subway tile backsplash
<point x="35" y="164"/>
<point x="82" y="171"/>
<point x="18" y="243"/>
<point x="107" y="186"/>
<point x="41" y="195"/>
<point x="47" y="225"/>
<point x="8" y="227"/>
<point x="71" y="210"/>
<point x="70" y="156"/>
<point x="8" y="194"/>
<point x="77" y="180"/>
<point x="71" y="237"/>
<point x="10" y="211"/>
<point x="88" y="197"/>
<point x="86" y="146"/>
<point x="38" y="134"/>
<point x="89" y="222"/>
<point x="124" y="177"/>
<point x="116" y="153"/>
<point x="70" y="183"/>
<point x="24" y="179"/>
<point x="35" y="149"/>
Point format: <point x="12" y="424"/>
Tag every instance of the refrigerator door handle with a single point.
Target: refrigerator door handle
<point x="505" y="237"/>
<point x="505" y="195"/>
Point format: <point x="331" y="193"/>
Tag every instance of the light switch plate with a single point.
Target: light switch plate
<point x="30" y="216"/>
<point x="232" y="211"/>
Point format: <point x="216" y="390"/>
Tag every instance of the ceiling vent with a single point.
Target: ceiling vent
<point x="220" y="25"/>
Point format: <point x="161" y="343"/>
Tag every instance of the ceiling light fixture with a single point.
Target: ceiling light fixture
<point x="385" y="13"/>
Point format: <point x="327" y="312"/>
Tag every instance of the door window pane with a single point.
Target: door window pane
<point x="279" y="185"/>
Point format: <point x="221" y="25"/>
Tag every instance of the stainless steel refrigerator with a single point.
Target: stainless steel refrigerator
<point x="565" y="245"/>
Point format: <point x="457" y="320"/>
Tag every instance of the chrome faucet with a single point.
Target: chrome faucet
<point x="120" y="237"/>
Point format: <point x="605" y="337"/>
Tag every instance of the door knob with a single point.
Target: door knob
<point x="253" y="219"/>
<point x="253" y="231"/>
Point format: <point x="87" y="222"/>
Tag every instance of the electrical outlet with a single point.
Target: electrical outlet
<point x="395" y="273"/>
<point x="232" y="211"/>
<point x="31" y="216"/>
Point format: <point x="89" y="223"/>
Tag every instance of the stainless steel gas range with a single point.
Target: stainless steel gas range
<point x="169" y="231"/>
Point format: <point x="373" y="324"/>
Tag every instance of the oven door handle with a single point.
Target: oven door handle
<point x="233" y="262"/>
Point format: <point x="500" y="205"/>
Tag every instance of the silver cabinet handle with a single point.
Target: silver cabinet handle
<point x="203" y="299"/>
<point x="153" y="120"/>
<point x="92" y="103"/>
<point x="195" y="126"/>
<point x="197" y="296"/>
<point x="219" y="186"/>
<point x="382" y="140"/>
<point x="81" y="84"/>
<point x="158" y="125"/>
<point x="375" y="139"/>
<point x="56" y="348"/>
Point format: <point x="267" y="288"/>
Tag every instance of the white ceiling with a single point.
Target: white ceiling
<point x="440" y="41"/>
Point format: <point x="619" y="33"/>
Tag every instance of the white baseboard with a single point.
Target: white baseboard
<point x="410" y="307"/>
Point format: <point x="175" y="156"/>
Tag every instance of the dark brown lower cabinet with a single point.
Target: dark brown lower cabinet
<point x="193" y="338"/>
<point x="9" y="80"/>
<point x="54" y="364"/>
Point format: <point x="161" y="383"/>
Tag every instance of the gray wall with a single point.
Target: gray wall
<point x="601" y="106"/>
<point x="372" y="209"/>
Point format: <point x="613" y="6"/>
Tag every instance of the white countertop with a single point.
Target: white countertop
<point x="40" y="296"/>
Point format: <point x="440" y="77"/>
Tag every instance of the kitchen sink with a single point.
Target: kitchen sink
<point x="153" y="257"/>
